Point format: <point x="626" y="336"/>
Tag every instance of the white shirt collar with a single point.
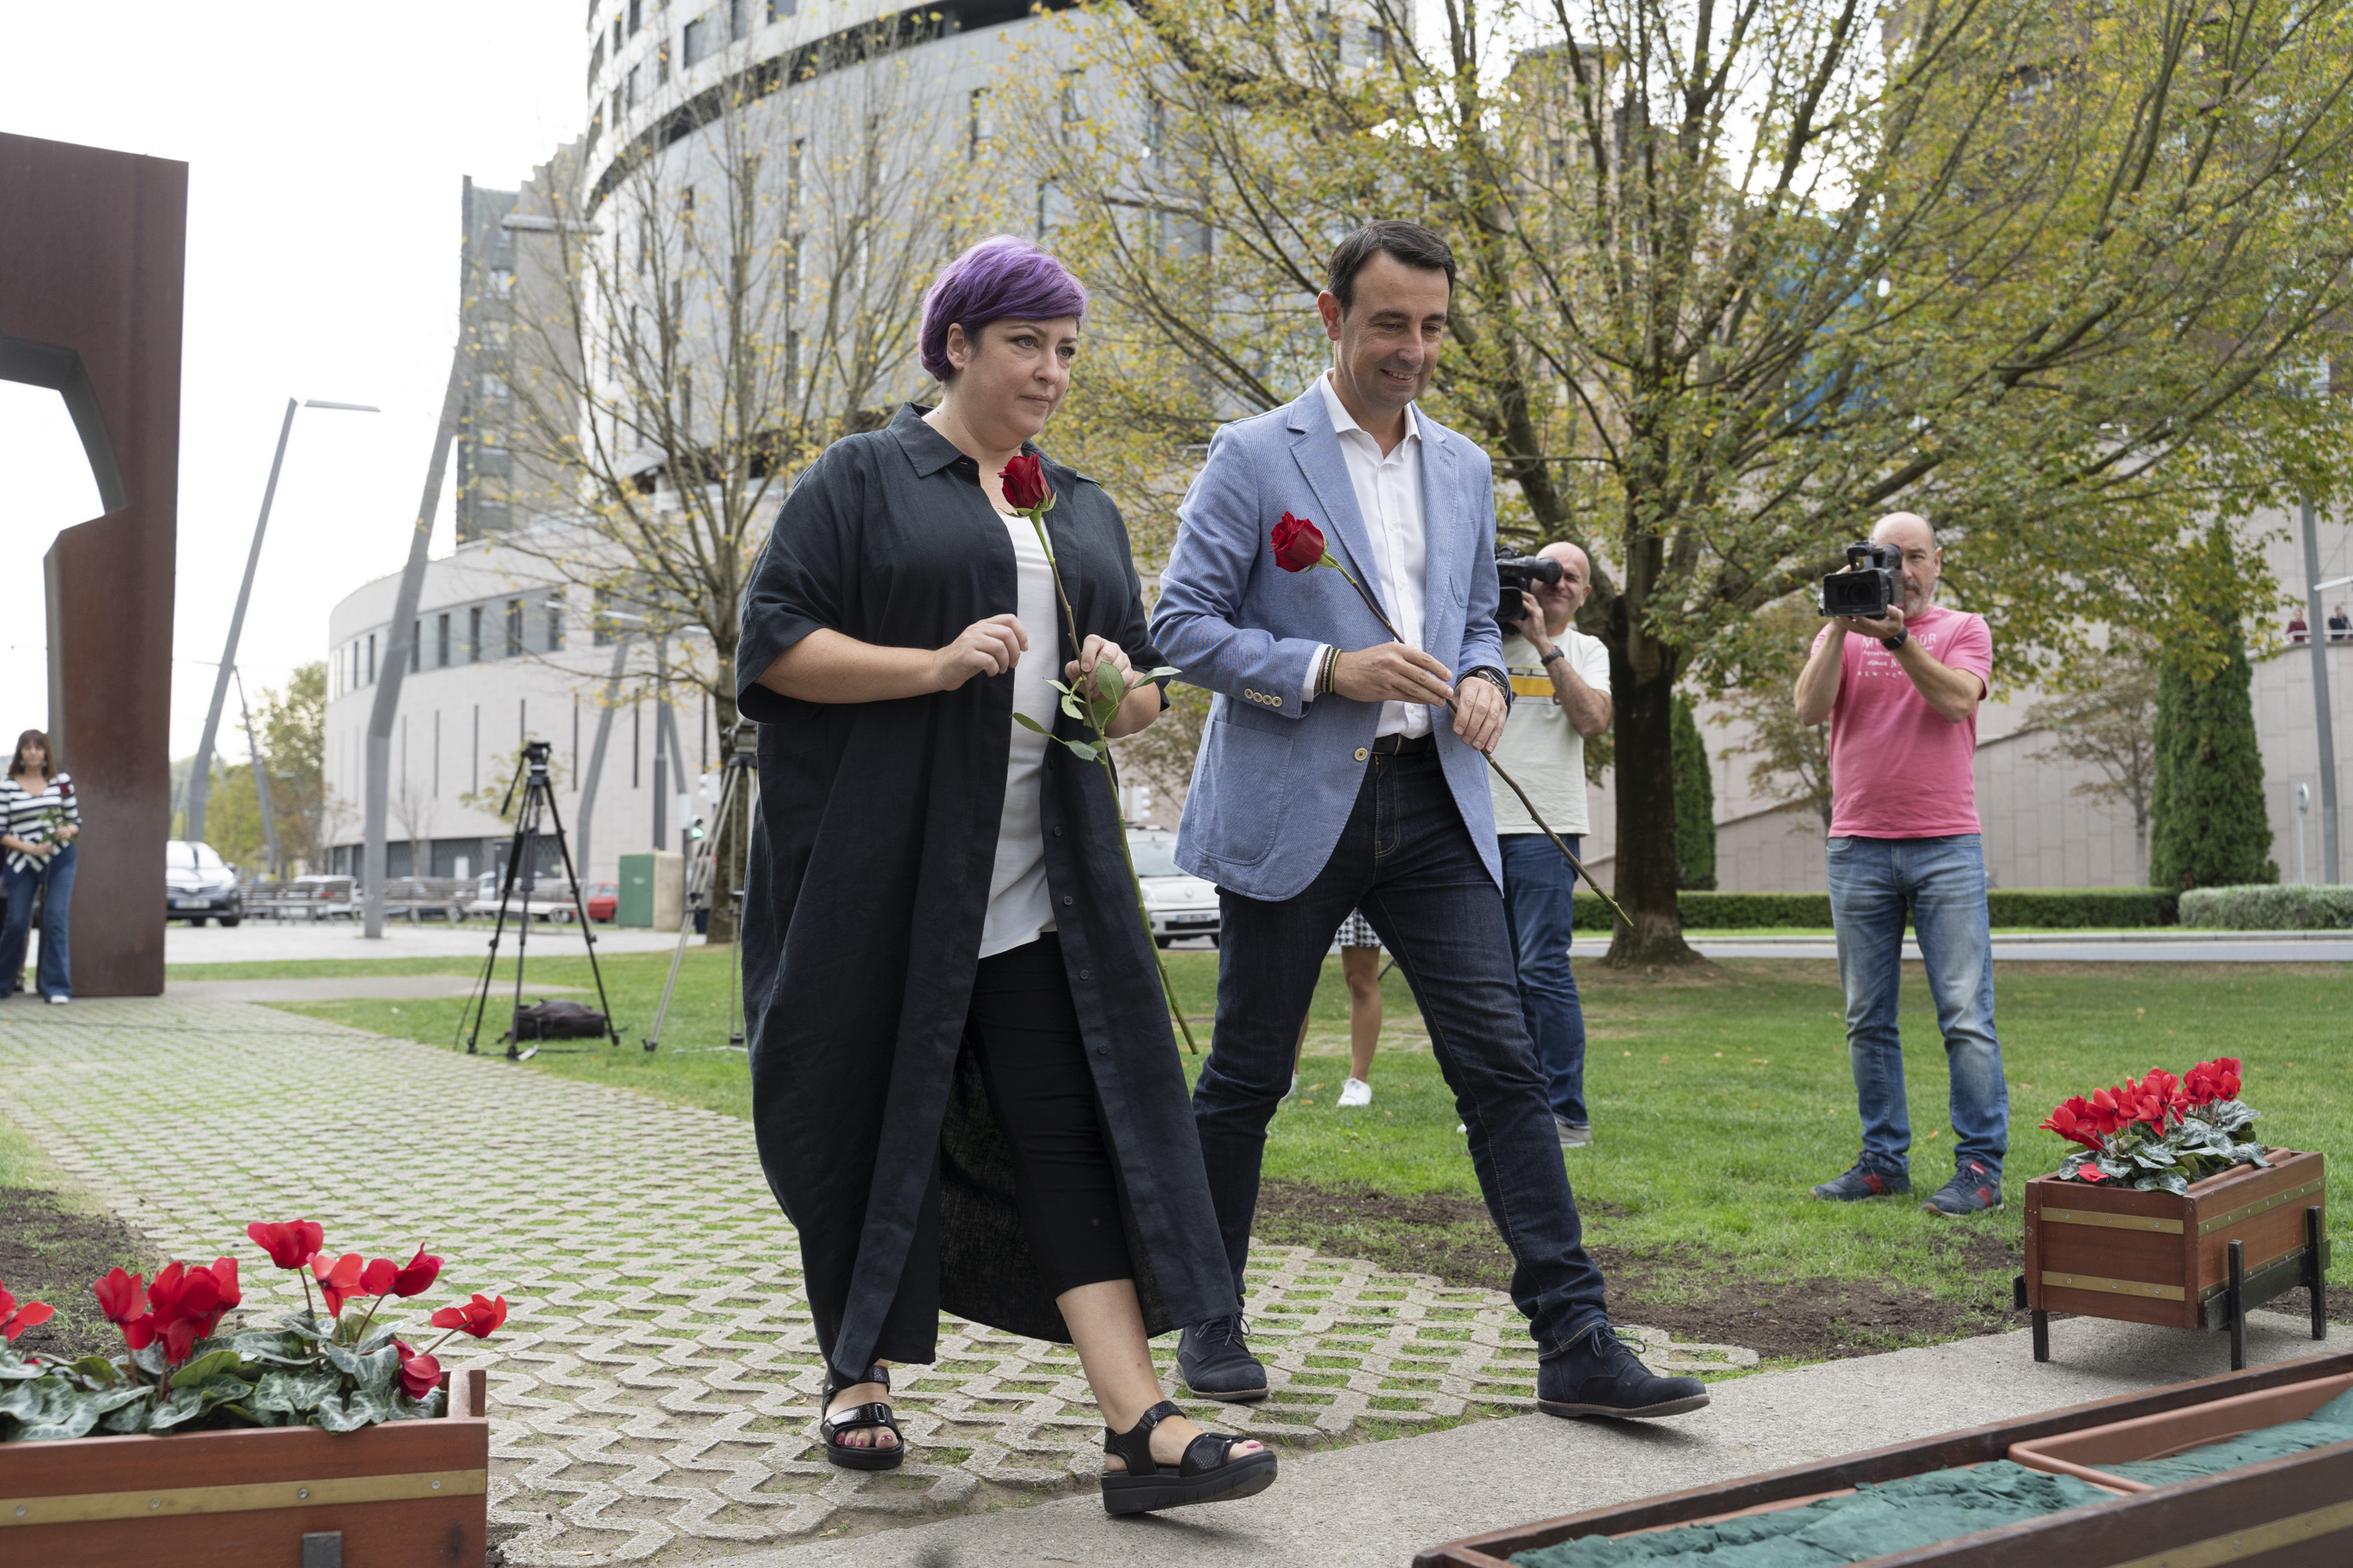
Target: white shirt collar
<point x="1343" y="421"/>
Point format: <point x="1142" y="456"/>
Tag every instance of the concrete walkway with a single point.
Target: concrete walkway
<point x="653" y="1396"/>
<point x="270" y="942"/>
<point x="343" y="988"/>
<point x="1380" y="1503"/>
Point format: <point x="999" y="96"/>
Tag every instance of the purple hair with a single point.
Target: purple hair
<point x="1003" y="276"/>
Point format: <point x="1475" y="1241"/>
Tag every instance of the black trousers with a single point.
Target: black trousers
<point x="1025" y="1031"/>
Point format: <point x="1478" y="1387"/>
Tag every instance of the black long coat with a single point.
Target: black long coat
<point x="869" y="880"/>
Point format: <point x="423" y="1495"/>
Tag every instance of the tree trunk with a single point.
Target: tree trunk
<point x="1645" y="881"/>
<point x="733" y="831"/>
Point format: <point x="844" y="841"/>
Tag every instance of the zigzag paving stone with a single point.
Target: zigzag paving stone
<point x="654" y="1391"/>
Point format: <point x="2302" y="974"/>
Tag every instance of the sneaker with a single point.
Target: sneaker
<point x="59" y="1001"/>
<point x="1216" y="1363"/>
<point x="1356" y="1091"/>
<point x="1598" y="1376"/>
<point x="1862" y="1182"/>
<point x="1973" y="1190"/>
<point x="1572" y="1136"/>
<point x="1292" y="1092"/>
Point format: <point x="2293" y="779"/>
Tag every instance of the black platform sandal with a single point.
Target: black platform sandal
<point x="1209" y="1471"/>
<point x="858" y="1418"/>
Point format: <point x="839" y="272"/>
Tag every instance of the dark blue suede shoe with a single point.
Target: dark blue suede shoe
<point x="1974" y="1189"/>
<point x="1598" y="1376"/>
<point x="1216" y="1363"/>
<point x="1863" y="1182"/>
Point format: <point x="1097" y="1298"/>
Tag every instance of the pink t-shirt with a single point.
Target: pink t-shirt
<point x="1899" y="768"/>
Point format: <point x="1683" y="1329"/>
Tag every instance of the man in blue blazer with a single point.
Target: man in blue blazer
<point x="1343" y="768"/>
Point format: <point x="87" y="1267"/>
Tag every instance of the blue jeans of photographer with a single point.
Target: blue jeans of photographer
<point x="1938" y="883"/>
<point x="1540" y="908"/>
<point x="56" y="976"/>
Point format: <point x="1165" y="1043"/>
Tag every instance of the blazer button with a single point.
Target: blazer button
<point x="1067" y="900"/>
<point x="1083" y="975"/>
<point x="1362" y="753"/>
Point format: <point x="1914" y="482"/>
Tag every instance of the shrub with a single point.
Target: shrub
<point x="2269" y="905"/>
<point x="1694" y="804"/>
<point x="2054" y="909"/>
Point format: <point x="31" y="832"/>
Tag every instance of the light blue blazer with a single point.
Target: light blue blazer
<point x="1276" y="777"/>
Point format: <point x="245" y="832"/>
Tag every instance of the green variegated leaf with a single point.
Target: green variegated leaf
<point x="59" y="1410"/>
<point x="350" y="1413"/>
<point x="1027" y="722"/>
<point x="191" y="1401"/>
<point x="2154" y="1155"/>
<point x="276" y="1349"/>
<point x="295" y="1393"/>
<point x="15" y="1368"/>
<point x="149" y="1359"/>
<point x="129" y="1419"/>
<point x="407" y="1409"/>
<point x="201" y="1368"/>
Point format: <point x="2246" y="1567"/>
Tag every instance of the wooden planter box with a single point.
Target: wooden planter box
<point x="2195" y="1261"/>
<point x="404" y="1494"/>
<point x="2293" y="1512"/>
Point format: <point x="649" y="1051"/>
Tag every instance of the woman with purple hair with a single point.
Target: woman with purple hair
<point x="964" y="1088"/>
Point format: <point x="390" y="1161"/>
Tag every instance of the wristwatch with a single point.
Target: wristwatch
<point x="1556" y="653"/>
<point x="1503" y="682"/>
<point x="1902" y="636"/>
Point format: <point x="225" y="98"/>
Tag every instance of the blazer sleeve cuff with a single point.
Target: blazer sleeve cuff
<point x="1279" y="685"/>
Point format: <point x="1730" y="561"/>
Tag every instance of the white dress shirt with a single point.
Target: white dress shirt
<point x="1389" y="499"/>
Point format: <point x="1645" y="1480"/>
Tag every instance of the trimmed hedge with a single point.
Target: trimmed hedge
<point x="2267" y="906"/>
<point x="2057" y="909"/>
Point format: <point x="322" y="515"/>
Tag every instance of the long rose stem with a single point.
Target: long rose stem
<point x="1576" y="865"/>
<point x="1102" y="758"/>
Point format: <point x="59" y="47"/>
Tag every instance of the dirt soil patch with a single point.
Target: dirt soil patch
<point x="49" y="1252"/>
<point x="1809" y="1320"/>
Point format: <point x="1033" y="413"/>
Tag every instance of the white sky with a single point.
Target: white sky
<point x="325" y="147"/>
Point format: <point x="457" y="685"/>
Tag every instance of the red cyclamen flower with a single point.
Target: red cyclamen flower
<point x="1298" y="543"/>
<point x="1026" y="489"/>
<point x="480" y="1317"/>
<point x="289" y="1244"/>
<point x="188" y="1303"/>
<point x="337" y="1280"/>
<point x="15" y="1319"/>
<point x="419" y="1374"/>
<point x="376" y="1278"/>
<point x="2073" y="1120"/>
<point x="418" y="1277"/>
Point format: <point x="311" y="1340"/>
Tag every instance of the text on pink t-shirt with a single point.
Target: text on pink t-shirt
<point x="1899" y="768"/>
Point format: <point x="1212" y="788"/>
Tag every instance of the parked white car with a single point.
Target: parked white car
<point x="1179" y="903"/>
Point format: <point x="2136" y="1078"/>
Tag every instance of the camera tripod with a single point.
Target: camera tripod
<point x="523" y="866"/>
<point x="739" y="780"/>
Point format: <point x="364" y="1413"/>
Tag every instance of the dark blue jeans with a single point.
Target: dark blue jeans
<point x="1938" y="883"/>
<point x="1539" y="905"/>
<point x="1406" y="860"/>
<point x="55" y="976"/>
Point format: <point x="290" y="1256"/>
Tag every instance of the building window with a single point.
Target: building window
<point x="502" y="285"/>
<point x="661" y="62"/>
<point x="555" y="625"/>
<point x="416" y="647"/>
<point x="631" y="86"/>
<point x="494" y="389"/>
<point x="514" y="628"/>
<point x="983" y="123"/>
<point x="596" y="64"/>
<point x="474" y="635"/>
<point x="739" y="20"/>
<point x="441" y="641"/>
<point x="780" y="9"/>
<point x="636" y="16"/>
<point x="701" y="39"/>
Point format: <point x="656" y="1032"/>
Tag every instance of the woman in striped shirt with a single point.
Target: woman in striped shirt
<point x="39" y="819"/>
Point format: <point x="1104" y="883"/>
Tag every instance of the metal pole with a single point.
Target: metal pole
<point x="2318" y="632"/>
<point x="587" y="818"/>
<point x="199" y="775"/>
<point x="661" y="742"/>
<point x="395" y="668"/>
<point x="262" y="784"/>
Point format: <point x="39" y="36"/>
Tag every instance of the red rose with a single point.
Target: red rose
<point x="1026" y="489"/>
<point x="1298" y="543"/>
<point x="419" y="1374"/>
<point x="15" y="1319"/>
<point x="418" y="1276"/>
<point x="337" y="1280"/>
<point x="480" y="1317"/>
<point x="376" y="1278"/>
<point x="188" y="1304"/>
<point x="290" y="1243"/>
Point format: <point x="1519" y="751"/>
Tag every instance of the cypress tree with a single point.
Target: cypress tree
<point x="1694" y="804"/>
<point x="2208" y="827"/>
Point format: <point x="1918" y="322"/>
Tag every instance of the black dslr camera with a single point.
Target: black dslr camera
<point x="1872" y="582"/>
<point x="1518" y="573"/>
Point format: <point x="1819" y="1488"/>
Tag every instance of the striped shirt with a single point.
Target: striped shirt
<point x="34" y="817"/>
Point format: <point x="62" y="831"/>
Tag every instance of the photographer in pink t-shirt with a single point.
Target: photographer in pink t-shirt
<point x="1901" y="695"/>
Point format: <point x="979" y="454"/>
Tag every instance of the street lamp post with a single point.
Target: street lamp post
<point x="2318" y="634"/>
<point x="200" y="775"/>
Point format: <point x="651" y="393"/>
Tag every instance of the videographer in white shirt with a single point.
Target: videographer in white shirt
<point x="1560" y="678"/>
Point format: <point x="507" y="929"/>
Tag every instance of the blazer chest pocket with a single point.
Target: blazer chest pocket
<point x="1246" y="767"/>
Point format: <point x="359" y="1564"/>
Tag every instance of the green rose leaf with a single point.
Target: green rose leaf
<point x="1163" y="673"/>
<point x="1084" y="749"/>
<point x="1030" y="724"/>
<point x="1071" y="705"/>
<point x="1110" y="682"/>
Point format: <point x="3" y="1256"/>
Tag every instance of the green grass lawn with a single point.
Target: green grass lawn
<point x="1716" y="1101"/>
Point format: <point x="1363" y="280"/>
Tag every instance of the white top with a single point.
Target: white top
<point x="1020" y="903"/>
<point x="1389" y="498"/>
<point x="1540" y="747"/>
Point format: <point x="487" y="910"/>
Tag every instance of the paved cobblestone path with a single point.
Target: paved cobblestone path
<point x="654" y="1391"/>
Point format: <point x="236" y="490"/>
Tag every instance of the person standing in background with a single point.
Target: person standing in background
<point x="1360" y="964"/>
<point x="1561" y="677"/>
<point x="40" y="820"/>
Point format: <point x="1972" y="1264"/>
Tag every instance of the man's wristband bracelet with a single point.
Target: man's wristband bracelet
<point x="1556" y="653"/>
<point x="1897" y="641"/>
<point x="1327" y="671"/>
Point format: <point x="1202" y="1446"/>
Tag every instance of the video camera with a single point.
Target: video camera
<point x="1518" y="573"/>
<point x="1865" y="590"/>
